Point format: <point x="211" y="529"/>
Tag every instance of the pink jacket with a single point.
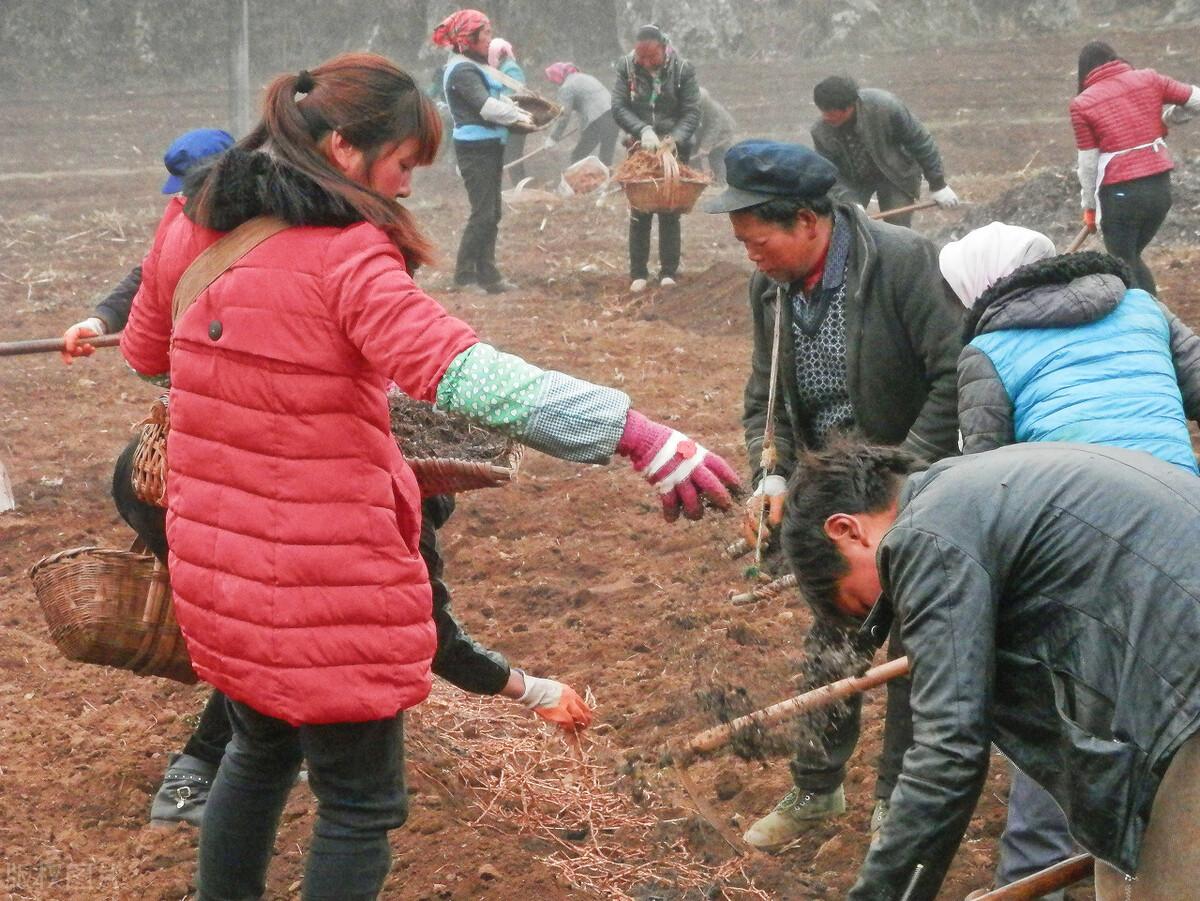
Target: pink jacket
<point x="293" y="519"/>
<point x="1121" y="107"/>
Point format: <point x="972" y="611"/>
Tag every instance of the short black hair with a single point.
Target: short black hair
<point x="650" y="32"/>
<point x="1094" y="55"/>
<point x="849" y="476"/>
<point x="784" y="210"/>
<point x="835" y="92"/>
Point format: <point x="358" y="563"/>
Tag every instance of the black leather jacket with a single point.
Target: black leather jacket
<point x="1050" y="604"/>
<point x="675" y="111"/>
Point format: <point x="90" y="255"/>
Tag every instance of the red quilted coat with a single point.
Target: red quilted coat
<point x="1121" y="107"/>
<point x="293" y="520"/>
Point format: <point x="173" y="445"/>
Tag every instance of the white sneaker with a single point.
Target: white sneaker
<point x="637" y="286"/>
<point x="667" y="282"/>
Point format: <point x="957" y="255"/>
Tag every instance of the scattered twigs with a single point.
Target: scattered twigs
<point x="764" y="592"/>
<point x="1045" y="881"/>
<point x="1079" y="240"/>
<point x="50" y="345"/>
<point x="719" y="736"/>
<point x="901" y="210"/>
<point x="521" y="778"/>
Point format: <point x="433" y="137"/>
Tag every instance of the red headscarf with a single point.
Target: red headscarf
<point x="457" y="27"/>
<point x="558" y="72"/>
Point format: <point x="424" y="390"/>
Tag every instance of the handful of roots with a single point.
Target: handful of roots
<point x="643" y="165"/>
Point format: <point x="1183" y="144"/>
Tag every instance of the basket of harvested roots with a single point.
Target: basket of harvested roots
<point x="113" y="608"/>
<point x="656" y="182"/>
<point x="542" y="110"/>
<point x="447" y="453"/>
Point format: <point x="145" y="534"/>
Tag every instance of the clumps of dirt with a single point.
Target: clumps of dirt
<point x="712" y="302"/>
<point x="424" y="432"/>
<point x="1048" y="201"/>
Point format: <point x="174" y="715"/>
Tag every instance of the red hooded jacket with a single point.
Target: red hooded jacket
<point x="293" y="520"/>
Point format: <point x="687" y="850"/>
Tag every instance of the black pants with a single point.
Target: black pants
<point x="514" y="149"/>
<point x="669" y="239"/>
<point x="356" y="772"/>
<point x="827" y="742"/>
<point x="481" y="164"/>
<point x="600" y="135"/>
<point x="1130" y="215"/>
<point x="890" y="197"/>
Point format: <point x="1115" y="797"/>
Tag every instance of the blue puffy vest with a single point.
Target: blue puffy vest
<point x="485" y="131"/>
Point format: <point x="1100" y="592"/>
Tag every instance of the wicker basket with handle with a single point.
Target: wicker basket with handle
<point x="113" y="608"/>
<point x="445" y="475"/>
<point x="673" y="193"/>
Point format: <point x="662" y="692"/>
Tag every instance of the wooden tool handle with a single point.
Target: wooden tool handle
<point x="51" y="345"/>
<point x="1080" y="240"/>
<point x="719" y="736"/>
<point x="901" y="210"/>
<point x="1044" y="881"/>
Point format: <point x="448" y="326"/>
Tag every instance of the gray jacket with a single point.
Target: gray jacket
<point x="582" y="94"/>
<point x="903" y="337"/>
<point x="716" y="124"/>
<point x="1049" y="604"/>
<point x="899" y="144"/>
<point x="673" y="111"/>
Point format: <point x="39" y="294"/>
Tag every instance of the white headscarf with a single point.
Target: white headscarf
<point x="497" y="50"/>
<point x="981" y="258"/>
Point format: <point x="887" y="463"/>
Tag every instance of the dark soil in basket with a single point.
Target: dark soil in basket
<point x="424" y="432"/>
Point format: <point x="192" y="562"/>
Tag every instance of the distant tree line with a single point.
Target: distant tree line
<point x="126" y="42"/>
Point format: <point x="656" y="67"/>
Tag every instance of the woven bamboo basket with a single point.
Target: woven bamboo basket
<point x="112" y="608"/>
<point x="542" y="110"/>
<point x="670" y="194"/>
<point x="444" y="475"/>
<point x="150" y="458"/>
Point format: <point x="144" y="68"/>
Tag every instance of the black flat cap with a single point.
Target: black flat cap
<point x="758" y="171"/>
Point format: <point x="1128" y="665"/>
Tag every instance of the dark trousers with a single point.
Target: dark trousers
<point x="825" y="748"/>
<point x="1130" y="215"/>
<point x="1035" y="835"/>
<point x="514" y="149"/>
<point x="600" y="135"/>
<point x="481" y="164"/>
<point x="356" y="772"/>
<point x="890" y="197"/>
<point x="669" y="238"/>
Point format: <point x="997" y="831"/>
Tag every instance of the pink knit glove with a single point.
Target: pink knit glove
<point x="677" y="466"/>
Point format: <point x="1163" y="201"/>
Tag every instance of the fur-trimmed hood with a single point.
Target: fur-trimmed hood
<point x="254" y="183"/>
<point x="1065" y="290"/>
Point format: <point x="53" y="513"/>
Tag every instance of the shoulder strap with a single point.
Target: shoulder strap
<point x="218" y="257"/>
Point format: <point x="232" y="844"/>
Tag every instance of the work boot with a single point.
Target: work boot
<point x="793" y="815"/>
<point x="878" y="817"/>
<point x="184" y="791"/>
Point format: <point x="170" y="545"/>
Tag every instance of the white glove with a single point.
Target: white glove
<point x="540" y="692"/>
<point x="550" y="143"/>
<point x="94" y="324"/>
<point x="503" y="111"/>
<point x="650" y="139"/>
<point x="556" y="703"/>
<point x="945" y="198"/>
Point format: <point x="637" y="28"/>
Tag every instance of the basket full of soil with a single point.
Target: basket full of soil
<point x="114" y="608"/>
<point x="656" y="182"/>
<point x="447" y="453"/>
<point x="542" y="111"/>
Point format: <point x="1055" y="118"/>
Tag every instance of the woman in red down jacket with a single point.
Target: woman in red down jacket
<point x="293" y="520"/>
<point x="1124" y="166"/>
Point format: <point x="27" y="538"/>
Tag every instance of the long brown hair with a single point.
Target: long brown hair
<point x="375" y="106"/>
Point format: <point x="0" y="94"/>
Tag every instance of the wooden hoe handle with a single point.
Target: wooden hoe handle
<point x="52" y="345"/>
<point x="901" y="210"/>
<point x="1044" y="881"/>
<point x="1079" y="240"/>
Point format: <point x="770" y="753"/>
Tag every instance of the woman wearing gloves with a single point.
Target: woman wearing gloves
<point x="1124" y="165"/>
<point x="502" y="58"/>
<point x="656" y="96"/>
<point x="293" y="519"/>
<point x="482" y="113"/>
<point x="586" y="97"/>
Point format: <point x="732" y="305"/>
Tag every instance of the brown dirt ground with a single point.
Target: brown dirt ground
<point x="570" y="571"/>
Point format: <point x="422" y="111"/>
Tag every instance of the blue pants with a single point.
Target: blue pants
<point x="356" y="771"/>
<point x="1035" y="836"/>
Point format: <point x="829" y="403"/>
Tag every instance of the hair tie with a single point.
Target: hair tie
<point x="305" y="82"/>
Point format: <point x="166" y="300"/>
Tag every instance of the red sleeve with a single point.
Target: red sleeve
<point x="1085" y="138"/>
<point x="146" y="338"/>
<point x="1174" y="91"/>
<point x="399" y="329"/>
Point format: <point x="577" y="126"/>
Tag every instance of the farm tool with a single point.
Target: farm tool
<point x="1079" y="240"/>
<point x="54" y="345"/>
<point x="901" y="210"/>
<point x="1067" y="872"/>
<point x="719" y="736"/>
<point x="570" y="131"/>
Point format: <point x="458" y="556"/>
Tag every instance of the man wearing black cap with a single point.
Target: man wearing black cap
<point x="655" y="97"/>
<point x="867" y="341"/>
<point x="879" y="148"/>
